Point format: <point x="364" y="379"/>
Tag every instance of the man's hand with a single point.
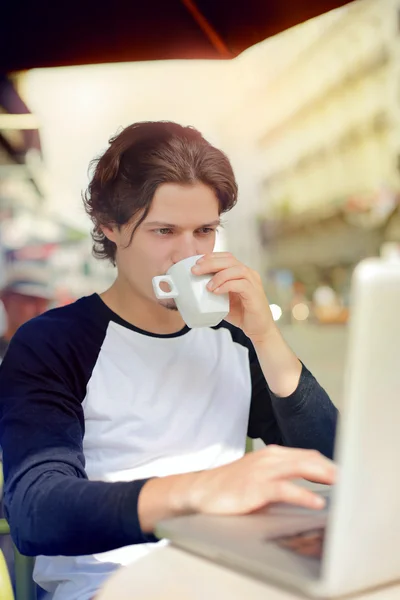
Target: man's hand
<point x="249" y="310"/>
<point x="259" y="479"/>
<point x="244" y="486"/>
<point x="249" y="307"/>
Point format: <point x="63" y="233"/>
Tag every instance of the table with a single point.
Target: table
<point x="169" y="573"/>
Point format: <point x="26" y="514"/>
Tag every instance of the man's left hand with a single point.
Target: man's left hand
<point x="249" y="307"/>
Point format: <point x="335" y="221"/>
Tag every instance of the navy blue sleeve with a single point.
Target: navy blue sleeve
<point x="51" y="506"/>
<point x="305" y="419"/>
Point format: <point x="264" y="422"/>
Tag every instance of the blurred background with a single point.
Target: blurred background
<point x="310" y="119"/>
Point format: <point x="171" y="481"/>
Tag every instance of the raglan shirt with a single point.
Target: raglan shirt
<point x="91" y="407"/>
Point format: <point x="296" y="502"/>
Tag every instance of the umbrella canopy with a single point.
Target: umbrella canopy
<point x="45" y="34"/>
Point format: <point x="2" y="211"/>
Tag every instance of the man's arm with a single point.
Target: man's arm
<point x="51" y="506"/>
<point x="241" y="487"/>
<point x="305" y="419"/>
<point x="288" y="405"/>
<point x="279" y="364"/>
<point x="305" y="415"/>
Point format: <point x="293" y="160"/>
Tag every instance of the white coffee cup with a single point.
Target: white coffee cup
<point x="197" y="305"/>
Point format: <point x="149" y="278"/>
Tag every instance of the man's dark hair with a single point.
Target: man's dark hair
<point x="139" y="159"/>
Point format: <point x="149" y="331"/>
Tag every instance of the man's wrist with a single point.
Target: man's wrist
<point x="281" y="367"/>
<point x="167" y="497"/>
<point x="266" y="337"/>
<point x="183" y="497"/>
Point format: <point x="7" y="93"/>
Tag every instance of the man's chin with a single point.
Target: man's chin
<point x="169" y="304"/>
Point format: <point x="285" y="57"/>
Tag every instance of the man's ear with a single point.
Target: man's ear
<point x="109" y="232"/>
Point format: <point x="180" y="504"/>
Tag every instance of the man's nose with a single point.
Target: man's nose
<point x="185" y="248"/>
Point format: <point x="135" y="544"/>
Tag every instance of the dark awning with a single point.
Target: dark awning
<point x="44" y="33"/>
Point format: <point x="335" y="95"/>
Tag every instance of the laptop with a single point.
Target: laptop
<point x="354" y="543"/>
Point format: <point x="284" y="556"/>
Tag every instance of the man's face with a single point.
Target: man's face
<point x="182" y="222"/>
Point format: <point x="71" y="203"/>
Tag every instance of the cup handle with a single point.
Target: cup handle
<point x="173" y="293"/>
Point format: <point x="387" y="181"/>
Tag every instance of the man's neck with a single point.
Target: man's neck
<point x="140" y="311"/>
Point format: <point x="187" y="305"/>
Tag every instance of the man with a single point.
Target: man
<point x="25" y="295"/>
<point x="123" y="415"/>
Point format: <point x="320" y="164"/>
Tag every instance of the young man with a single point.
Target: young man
<point x="115" y="415"/>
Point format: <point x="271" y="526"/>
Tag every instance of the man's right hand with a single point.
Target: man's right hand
<point x="253" y="482"/>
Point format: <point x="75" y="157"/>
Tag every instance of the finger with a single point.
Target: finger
<point x="290" y="493"/>
<point x="299" y="453"/>
<point x="206" y="266"/>
<point x="320" y="471"/>
<point x="236" y="272"/>
<point x="215" y="255"/>
<point x="284" y="450"/>
<point x="237" y="286"/>
<point x="217" y="260"/>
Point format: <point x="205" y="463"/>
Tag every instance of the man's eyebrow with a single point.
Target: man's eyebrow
<point x="161" y="224"/>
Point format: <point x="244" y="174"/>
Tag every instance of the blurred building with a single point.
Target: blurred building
<point x="21" y="165"/>
<point x="20" y="177"/>
<point x="322" y="107"/>
<point x="30" y="231"/>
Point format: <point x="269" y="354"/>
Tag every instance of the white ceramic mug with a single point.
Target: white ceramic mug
<point x="197" y="305"/>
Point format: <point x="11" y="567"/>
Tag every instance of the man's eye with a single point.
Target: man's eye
<point x="206" y="230"/>
<point x="163" y="231"/>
